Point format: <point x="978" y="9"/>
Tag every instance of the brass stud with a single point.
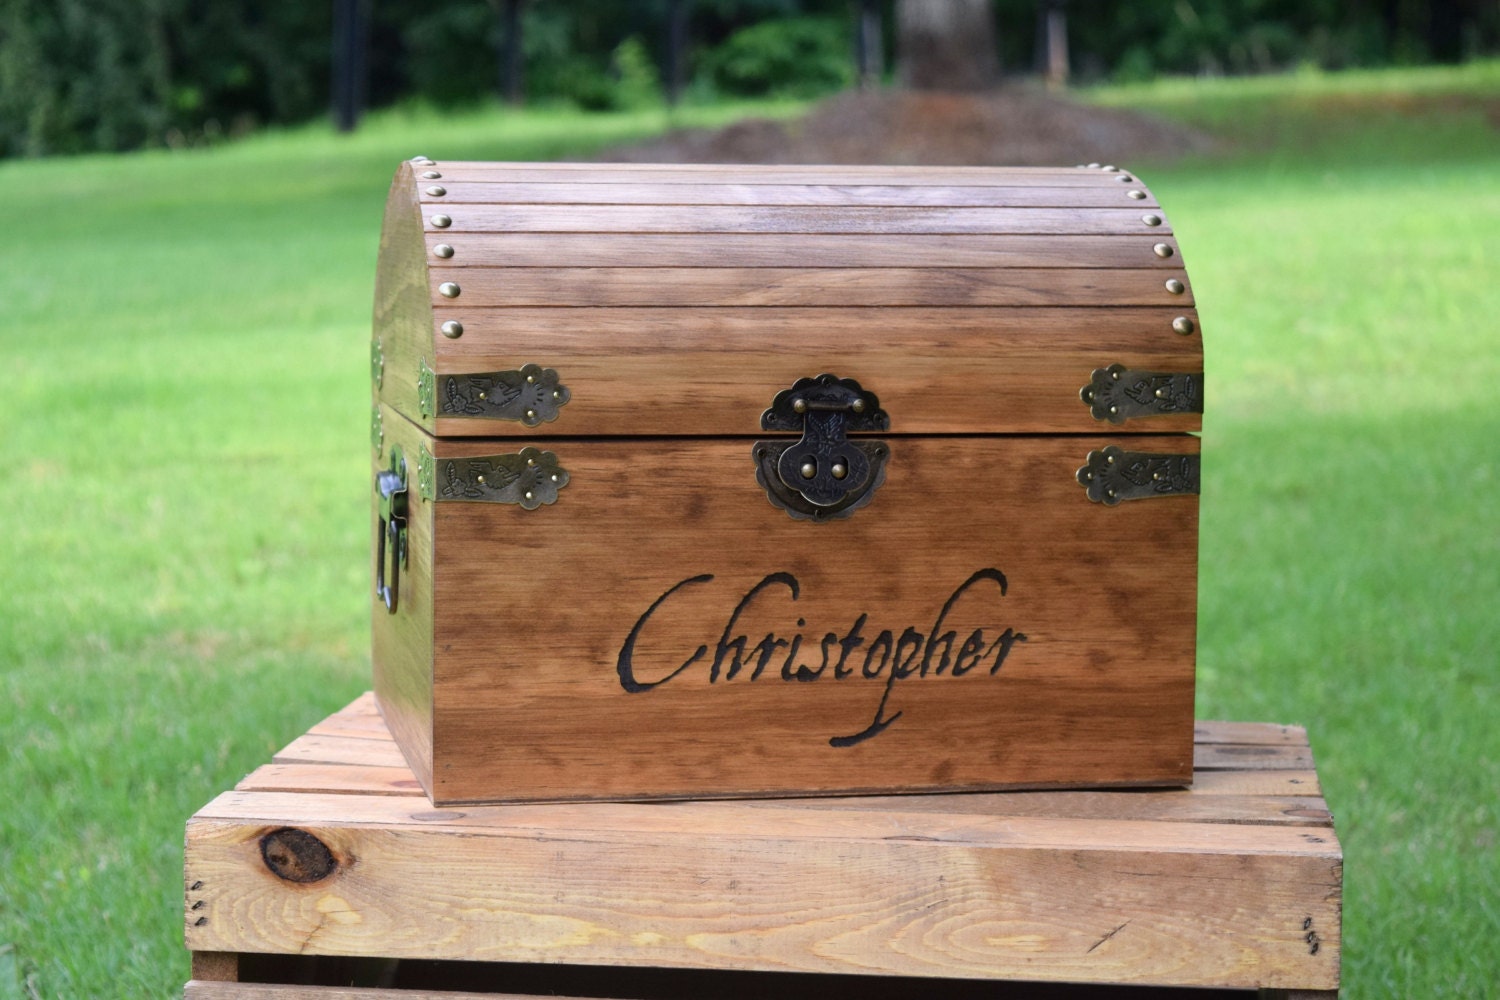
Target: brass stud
<point x="442" y="221"/>
<point x="430" y="175"/>
<point x="1137" y="195"/>
<point x="799" y="406"/>
<point x="530" y="415"/>
<point x="858" y="406"/>
<point x="483" y="394"/>
<point x="1160" y="394"/>
<point x="449" y="289"/>
<point x="1114" y="409"/>
<point x="530" y="379"/>
<point x="839" y="470"/>
<point x="530" y="462"/>
<point x="530" y="495"/>
<point x="555" y="477"/>
<point x="557" y="394"/>
<point x="437" y="191"/>
<point x="1183" y="325"/>
<point x="442" y="250"/>
<point x="453" y="329"/>
<point x="1163" y="250"/>
<point x="1175" y="287"/>
<point x="1151" y="220"/>
<point x="481" y="478"/>
<point x="809" y="470"/>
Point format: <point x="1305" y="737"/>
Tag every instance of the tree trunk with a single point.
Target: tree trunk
<point x="869" y="46"/>
<point x="1056" y="33"/>
<point x="947" y="44"/>
<point x="350" y="40"/>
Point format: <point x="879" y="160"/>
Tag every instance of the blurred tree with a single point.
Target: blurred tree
<point x="80" y="75"/>
<point x="946" y="44"/>
<point x="351" y="43"/>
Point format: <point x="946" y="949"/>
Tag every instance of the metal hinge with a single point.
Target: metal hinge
<point x="1113" y="474"/>
<point x="531" y="478"/>
<point x="1117" y="394"/>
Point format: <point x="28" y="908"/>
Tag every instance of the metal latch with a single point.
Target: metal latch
<point x="825" y="474"/>
<point x="390" y="489"/>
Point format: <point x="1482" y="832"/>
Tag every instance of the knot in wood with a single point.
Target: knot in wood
<point x="296" y="855"/>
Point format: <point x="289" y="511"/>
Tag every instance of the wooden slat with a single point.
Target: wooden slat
<point x="1208" y="731"/>
<point x="771" y="821"/>
<point x="1259" y="756"/>
<point x="1000" y="195"/>
<point x="1280" y="785"/>
<point x="680" y="173"/>
<point x="797" y="250"/>
<point x="778" y="219"/>
<point x="828" y="287"/>
<point x="1279" y="782"/>
<point x="359" y="719"/>
<point x="196" y="990"/>
<point x="357" y="778"/>
<point x="1177" y="806"/>
<point x="311" y="749"/>
<point x="1179" y="904"/>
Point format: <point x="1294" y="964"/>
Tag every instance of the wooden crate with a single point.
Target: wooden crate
<point x="329" y="867"/>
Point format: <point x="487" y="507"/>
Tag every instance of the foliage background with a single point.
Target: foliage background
<point x="79" y="75"/>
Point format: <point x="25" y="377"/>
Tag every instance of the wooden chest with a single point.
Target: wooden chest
<point x="702" y="481"/>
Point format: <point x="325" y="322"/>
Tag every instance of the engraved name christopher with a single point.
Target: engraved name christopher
<point x="889" y="657"/>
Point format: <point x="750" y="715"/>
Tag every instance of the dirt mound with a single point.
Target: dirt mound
<point x="1014" y="126"/>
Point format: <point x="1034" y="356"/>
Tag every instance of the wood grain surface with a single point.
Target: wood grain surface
<point x="706" y="279"/>
<point x="935" y="371"/>
<point x="533" y="611"/>
<point x="1231" y="890"/>
<point x="999" y="195"/>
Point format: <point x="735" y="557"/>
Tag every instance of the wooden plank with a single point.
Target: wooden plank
<point x="770" y="822"/>
<point x="312" y="749"/>
<point x="1286" y="797"/>
<point x="999" y="195"/>
<point x="1209" y="731"/>
<point x="1176" y="806"/>
<point x="360" y="719"/>
<point x="782" y="219"/>
<point x="1265" y="792"/>
<point x="824" y="286"/>
<point x="1287" y="782"/>
<point x="796" y="250"/>
<point x="935" y="371"/>
<point x="1169" y="904"/>
<point x="1259" y="757"/>
<point x="363" y="779"/>
<point x="196" y="990"/>
<point x="682" y="173"/>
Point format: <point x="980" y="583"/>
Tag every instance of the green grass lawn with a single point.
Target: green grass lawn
<point x="185" y="337"/>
